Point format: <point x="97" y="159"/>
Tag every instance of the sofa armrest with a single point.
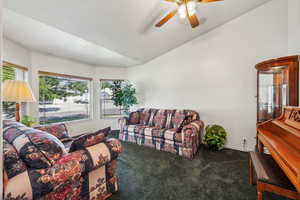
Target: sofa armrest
<point x="115" y="147"/>
<point x="83" y="161"/>
<point x="191" y="133"/>
<point x="100" y="154"/>
<point x="70" y="168"/>
<point x="134" y="118"/>
<point x="18" y="187"/>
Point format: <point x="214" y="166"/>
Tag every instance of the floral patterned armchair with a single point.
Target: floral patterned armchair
<point x="37" y="164"/>
<point x="175" y="131"/>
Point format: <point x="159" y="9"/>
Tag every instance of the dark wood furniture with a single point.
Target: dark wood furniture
<point x="277" y="86"/>
<point x="282" y="138"/>
<point x="268" y="177"/>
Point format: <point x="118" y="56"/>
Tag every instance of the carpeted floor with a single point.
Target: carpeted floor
<point x="149" y="174"/>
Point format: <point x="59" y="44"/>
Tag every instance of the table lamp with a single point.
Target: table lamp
<point x="17" y="91"/>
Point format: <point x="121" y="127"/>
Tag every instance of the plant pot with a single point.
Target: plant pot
<point x="212" y="147"/>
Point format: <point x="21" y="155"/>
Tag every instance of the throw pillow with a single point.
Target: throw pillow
<point x="37" y="149"/>
<point x="58" y="130"/>
<point x="134" y="118"/>
<point x="89" y="139"/>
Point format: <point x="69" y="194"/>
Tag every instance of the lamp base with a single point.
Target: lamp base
<point x="17" y="112"/>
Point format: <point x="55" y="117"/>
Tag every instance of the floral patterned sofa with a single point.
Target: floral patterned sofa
<point x="38" y="165"/>
<point x="175" y="131"/>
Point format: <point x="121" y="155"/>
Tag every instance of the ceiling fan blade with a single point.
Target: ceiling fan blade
<point x="167" y="18"/>
<point x="194" y="21"/>
<point x="207" y="1"/>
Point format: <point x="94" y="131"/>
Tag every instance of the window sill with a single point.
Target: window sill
<point x="112" y="117"/>
<point x="69" y="122"/>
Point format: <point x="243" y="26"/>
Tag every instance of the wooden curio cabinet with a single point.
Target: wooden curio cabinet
<point x="277" y="86"/>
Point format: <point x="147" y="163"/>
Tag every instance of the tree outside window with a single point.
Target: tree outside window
<point x="63" y="99"/>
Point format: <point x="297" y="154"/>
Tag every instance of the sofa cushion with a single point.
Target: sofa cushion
<point x="13" y="165"/>
<point x="144" y="116"/>
<point x="89" y="139"/>
<point x="48" y="144"/>
<point x="153" y="132"/>
<point x="133" y="129"/>
<point x="178" y="118"/>
<point x="169" y="115"/>
<point x="172" y="135"/>
<point x="29" y="153"/>
<point x="165" y="134"/>
<point x="134" y="118"/>
<point x="160" y="119"/>
<point x="26" y="150"/>
<point x="148" y="130"/>
<point x="36" y="148"/>
<point x="151" y="117"/>
<point x="58" y="130"/>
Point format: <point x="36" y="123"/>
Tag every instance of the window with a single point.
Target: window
<point x="108" y="109"/>
<point x="12" y="72"/>
<point x="63" y="98"/>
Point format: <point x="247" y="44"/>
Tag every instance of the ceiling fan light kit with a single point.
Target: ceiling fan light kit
<point x="191" y="6"/>
<point x="186" y="9"/>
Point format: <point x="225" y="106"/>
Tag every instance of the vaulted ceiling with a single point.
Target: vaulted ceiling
<point x="110" y="33"/>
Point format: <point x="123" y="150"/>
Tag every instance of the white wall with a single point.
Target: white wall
<point x="53" y="64"/>
<point x="37" y="61"/>
<point x="15" y="53"/>
<point x="294" y="27"/>
<point x="215" y="75"/>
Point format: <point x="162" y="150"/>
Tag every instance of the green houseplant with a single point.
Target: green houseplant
<point x="124" y="95"/>
<point x="28" y="121"/>
<point x="215" y="137"/>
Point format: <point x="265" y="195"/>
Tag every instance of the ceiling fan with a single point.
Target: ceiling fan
<point x="186" y="8"/>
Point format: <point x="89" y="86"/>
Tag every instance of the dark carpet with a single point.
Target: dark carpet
<point x="146" y="173"/>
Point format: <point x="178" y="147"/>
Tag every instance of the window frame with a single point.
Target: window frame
<point x="102" y="116"/>
<point x="68" y="76"/>
<point x="9" y="64"/>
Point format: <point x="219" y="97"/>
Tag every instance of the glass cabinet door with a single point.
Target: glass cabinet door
<point x="273" y="92"/>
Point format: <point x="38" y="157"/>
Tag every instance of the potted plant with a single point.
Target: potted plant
<point x="124" y="95"/>
<point x="28" y="121"/>
<point x="215" y="137"/>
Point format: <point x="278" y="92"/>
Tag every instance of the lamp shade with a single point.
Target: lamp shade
<point x="17" y="91"/>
